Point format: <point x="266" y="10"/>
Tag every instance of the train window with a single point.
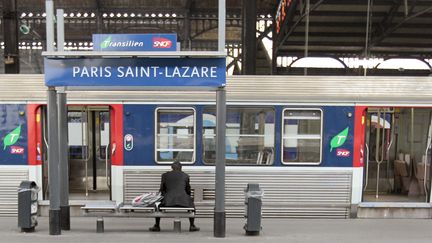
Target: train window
<point x="175" y="135"/>
<point x="302" y="132"/>
<point x="103" y="122"/>
<point x="77" y="138"/>
<point x="250" y="135"/>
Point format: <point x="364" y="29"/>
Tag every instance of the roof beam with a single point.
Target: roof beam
<point x="98" y="4"/>
<point x="99" y="24"/>
<point x="294" y="26"/>
<point x="186" y="33"/>
<point x="355" y="49"/>
<point x="390" y="30"/>
<point x="387" y="21"/>
<point x="189" y="4"/>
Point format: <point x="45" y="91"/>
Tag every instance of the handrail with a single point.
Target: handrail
<point x="106" y="166"/>
<point x="44" y="131"/>
<point x="429" y="141"/>
<point x="367" y="167"/>
<point x="377" y="147"/>
<point x="113" y="149"/>
<point x="389" y="146"/>
<point x="84" y="153"/>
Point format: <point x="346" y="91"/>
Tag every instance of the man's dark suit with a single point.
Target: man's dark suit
<point x="176" y="190"/>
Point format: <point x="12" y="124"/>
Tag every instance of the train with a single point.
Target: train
<point x="318" y="145"/>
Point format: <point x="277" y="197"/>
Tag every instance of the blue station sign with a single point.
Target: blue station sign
<point x="186" y="72"/>
<point x="134" y="42"/>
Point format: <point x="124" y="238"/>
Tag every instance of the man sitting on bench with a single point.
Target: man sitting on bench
<point x="176" y="192"/>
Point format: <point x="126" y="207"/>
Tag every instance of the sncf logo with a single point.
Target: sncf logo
<point x="342" y="153"/>
<point x="17" y="150"/>
<point x="159" y="42"/>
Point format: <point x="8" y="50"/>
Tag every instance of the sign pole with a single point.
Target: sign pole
<point x="49" y="9"/>
<point x="219" y="213"/>
<point x="53" y="164"/>
<point x="63" y="160"/>
<point x="221" y="25"/>
<point x="63" y="136"/>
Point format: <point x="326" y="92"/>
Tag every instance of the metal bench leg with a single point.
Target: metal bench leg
<point x="99" y="225"/>
<point x="177" y="225"/>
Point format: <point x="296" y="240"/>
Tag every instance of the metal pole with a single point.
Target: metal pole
<point x="63" y="136"/>
<point x="411" y="138"/>
<point x="60" y="30"/>
<point x="63" y="160"/>
<point x="219" y="213"/>
<point x="306" y="48"/>
<point x="10" y="37"/>
<point x="49" y="9"/>
<point x="367" y="38"/>
<point x="249" y="42"/>
<point x="221" y="26"/>
<point x="53" y="164"/>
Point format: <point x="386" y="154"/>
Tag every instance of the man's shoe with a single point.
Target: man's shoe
<point x="155" y="228"/>
<point x="193" y="228"/>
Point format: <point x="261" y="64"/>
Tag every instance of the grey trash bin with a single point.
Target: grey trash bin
<point x="27" y="206"/>
<point x="253" y="203"/>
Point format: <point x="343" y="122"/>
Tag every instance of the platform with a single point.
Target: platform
<point x="402" y="210"/>
<point x="274" y="230"/>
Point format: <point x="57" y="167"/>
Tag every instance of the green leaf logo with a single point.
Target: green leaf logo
<point x="339" y="139"/>
<point x="105" y="43"/>
<point x="12" y="137"/>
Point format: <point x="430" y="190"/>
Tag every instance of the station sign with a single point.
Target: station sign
<point x="186" y="72"/>
<point x="135" y="42"/>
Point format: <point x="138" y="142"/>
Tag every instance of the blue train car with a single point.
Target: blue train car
<point x="318" y="146"/>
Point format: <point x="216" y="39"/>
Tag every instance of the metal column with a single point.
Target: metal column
<point x="60" y="29"/>
<point x="99" y="19"/>
<point x="186" y="42"/>
<point x="49" y="9"/>
<point x="10" y="37"/>
<point x="221" y="25"/>
<point x="53" y="143"/>
<point x="249" y="46"/>
<point x="53" y="164"/>
<point x="63" y="160"/>
<point x="63" y="136"/>
<point x="306" y="46"/>
<point x="219" y="213"/>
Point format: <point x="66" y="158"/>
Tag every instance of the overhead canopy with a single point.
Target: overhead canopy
<point x="338" y="28"/>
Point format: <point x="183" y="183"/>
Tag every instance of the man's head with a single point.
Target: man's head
<point x="176" y="165"/>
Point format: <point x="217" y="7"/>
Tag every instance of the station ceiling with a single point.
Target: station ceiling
<point x="337" y="28"/>
<point x="142" y="16"/>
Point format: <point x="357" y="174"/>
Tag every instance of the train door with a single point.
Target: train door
<point x="89" y="159"/>
<point x="397" y="143"/>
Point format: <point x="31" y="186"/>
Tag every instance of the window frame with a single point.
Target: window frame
<point x="272" y="108"/>
<point x="99" y="136"/>
<point x="283" y="135"/>
<point x="85" y="139"/>
<point x="156" y="134"/>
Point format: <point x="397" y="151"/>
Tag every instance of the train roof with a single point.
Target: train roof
<point x="19" y="88"/>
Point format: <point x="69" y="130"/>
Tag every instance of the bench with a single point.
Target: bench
<point x="111" y="209"/>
